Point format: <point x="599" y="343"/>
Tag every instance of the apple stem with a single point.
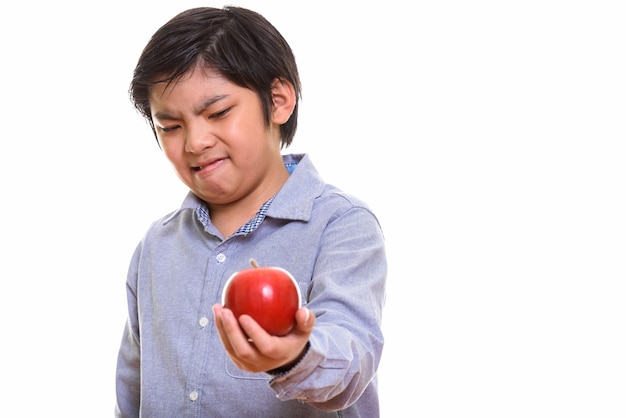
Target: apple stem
<point x="254" y="263"/>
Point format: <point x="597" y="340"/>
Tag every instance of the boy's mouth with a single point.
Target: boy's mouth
<point x="207" y="164"/>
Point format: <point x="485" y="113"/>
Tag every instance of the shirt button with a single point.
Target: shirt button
<point x="203" y="321"/>
<point x="221" y="257"/>
<point x="193" y="395"/>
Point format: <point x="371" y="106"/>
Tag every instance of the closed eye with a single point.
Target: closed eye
<point x="169" y="128"/>
<point x="220" y="114"/>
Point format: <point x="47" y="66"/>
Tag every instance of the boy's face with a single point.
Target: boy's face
<point x="214" y="134"/>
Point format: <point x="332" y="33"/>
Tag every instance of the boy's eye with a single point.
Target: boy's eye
<point x="220" y="114"/>
<point x="169" y="128"/>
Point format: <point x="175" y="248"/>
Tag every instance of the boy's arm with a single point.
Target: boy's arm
<point x="347" y="296"/>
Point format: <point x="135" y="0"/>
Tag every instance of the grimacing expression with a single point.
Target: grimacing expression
<point x="215" y="135"/>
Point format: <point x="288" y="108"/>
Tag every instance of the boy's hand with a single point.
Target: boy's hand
<point x="252" y="349"/>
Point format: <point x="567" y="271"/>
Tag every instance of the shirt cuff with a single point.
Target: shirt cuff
<point x="283" y="370"/>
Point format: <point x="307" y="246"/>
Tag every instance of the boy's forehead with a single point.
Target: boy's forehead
<point x="196" y="72"/>
<point x="206" y="82"/>
<point x="193" y="93"/>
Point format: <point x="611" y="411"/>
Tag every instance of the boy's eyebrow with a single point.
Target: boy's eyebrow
<point x="209" y="101"/>
<point x="164" y="115"/>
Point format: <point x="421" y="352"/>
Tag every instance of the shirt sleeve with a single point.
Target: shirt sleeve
<point x="127" y="378"/>
<point x="346" y="294"/>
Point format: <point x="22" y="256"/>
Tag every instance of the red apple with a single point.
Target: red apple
<point x="270" y="295"/>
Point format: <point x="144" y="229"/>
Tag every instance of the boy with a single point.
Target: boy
<point x="220" y="90"/>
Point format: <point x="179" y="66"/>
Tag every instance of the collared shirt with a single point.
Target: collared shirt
<point x="171" y="361"/>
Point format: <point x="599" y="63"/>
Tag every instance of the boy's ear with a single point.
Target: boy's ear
<point x="283" y="99"/>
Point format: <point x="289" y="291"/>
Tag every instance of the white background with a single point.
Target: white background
<point x="488" y="136"/>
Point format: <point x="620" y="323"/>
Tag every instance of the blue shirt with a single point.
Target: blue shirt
<point x="171" y="361"/>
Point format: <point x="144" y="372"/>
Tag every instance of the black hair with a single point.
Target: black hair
<point x="239" y="43"/>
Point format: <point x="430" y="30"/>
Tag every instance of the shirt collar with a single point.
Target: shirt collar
<point x="293" y="201"/>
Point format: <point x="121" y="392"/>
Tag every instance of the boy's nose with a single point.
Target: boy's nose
<point x="197" y="140"/>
